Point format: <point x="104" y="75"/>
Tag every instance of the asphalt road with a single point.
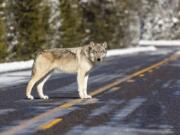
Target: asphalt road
<point x="132" y="95"/>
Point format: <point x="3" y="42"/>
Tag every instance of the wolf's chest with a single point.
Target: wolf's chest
<point x="69" y="65"/>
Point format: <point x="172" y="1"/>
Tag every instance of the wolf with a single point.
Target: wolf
<point x="79" y="60"/>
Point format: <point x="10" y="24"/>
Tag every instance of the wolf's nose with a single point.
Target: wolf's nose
<point x="98" y="59"/>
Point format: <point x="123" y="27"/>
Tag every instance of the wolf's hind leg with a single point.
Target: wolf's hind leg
<point x="40" y="87"/>
<point x="30" y="85"/>
<point x="35" y="78"/>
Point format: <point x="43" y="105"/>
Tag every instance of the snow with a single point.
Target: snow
<point x="159" y="42"/>
<point x="132" y="50"/>
<point x="13" y="78"/>
<point x="54" y="21"/>
<point x="178" y="53"/>
<point x="4" y="67"/>
<point x="175" y="20"/>
<point x="162" y="21"/>
<point x="128" y="109"/>
<point x="117" y="130"/>
<point x="5" y="111"/>
<point x="84" y="1"/>
<point x="21" y="65"/>
<point x="3" y="5"/>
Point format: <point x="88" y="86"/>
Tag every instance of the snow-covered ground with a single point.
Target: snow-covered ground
<point x="12" y="66"/>
<point x="21" y="65"/>
<point x="131" y="50"/>
<point x="159" y="43"/>
<point x="13" y="78"/>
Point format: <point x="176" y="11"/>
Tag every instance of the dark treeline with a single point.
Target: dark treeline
<point x="27" y="26"/>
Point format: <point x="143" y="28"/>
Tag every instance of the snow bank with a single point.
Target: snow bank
<point x="177" y="53"/>
<point x="159" y="42"/>
<point x="13" y="66"/>
<point x="130" y="50"/>
<point x="5" y="67"/>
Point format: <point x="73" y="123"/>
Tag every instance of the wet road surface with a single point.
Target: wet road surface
<point x="132" y="95"/>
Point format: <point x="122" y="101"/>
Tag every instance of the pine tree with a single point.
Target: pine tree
<point x="72" y="31"/>
<point x="3" y="47"/>
<point x="32" y="27"/>
<point x="99" y="20"/>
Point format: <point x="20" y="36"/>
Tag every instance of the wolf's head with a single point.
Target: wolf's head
<point x="97" y="51"/>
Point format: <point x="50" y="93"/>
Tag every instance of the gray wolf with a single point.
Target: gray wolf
<point x="80" y="60"/>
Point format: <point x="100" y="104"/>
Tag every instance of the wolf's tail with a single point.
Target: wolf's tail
<point x="34" y="67"/>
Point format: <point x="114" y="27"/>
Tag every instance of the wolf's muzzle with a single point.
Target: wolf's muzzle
<point x="98" y="59"/>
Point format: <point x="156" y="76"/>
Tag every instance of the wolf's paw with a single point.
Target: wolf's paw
<point x="88" y="96"/>
<point x="30" y="97"/>
<point x="81" y="95"/>
<point x="44" y="97"/>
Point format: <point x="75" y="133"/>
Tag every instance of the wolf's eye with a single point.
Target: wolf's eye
<point x="94" y="52"/>
<point x="102" y="51"/>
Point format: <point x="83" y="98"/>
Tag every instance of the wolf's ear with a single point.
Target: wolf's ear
<point x="105" y="45"/>
<point x="92" y="43"/>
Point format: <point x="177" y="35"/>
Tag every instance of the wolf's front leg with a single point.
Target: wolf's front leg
<point x="85" y="87"/>
<point x="80" y="81"/>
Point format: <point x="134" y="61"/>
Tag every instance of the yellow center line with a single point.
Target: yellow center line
<point x="130" y="81"/>
<point x="150" y="71"/>
<point x="115" y="89"/>
<point x="50" y="124"/>
<point x="27" y="123"/>
<point x="141" y="75"/>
